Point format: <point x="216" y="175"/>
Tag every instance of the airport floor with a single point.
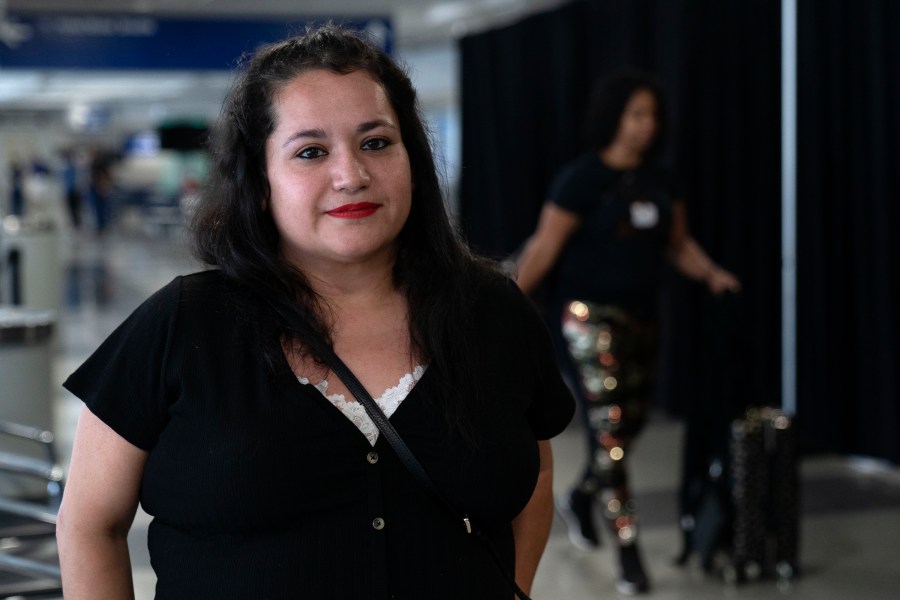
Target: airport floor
<point x="850" y="524"/>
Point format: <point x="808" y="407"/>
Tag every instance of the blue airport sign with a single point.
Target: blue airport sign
<point x="137" y="42"/>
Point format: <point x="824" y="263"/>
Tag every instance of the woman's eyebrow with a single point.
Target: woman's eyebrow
<point x="319" y="134"/>
<point x="305" y="133"/>
<point x="374" y="124"/>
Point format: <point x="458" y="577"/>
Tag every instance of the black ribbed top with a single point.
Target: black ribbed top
<point x="261" y="488"/>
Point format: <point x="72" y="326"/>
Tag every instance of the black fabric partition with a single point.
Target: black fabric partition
<point x="849" y="216"/>
<point x="724" y="353"/>
<point x="524" y="90"/>
<point x="714" y="61"/>
<point x="523" y="95"/>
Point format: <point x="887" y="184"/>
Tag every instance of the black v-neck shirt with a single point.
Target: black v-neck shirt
<point x="616" y="255"/>
<point x="260" y="488"/>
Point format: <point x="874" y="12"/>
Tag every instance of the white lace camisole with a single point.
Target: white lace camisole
<point x="388" y="402"/>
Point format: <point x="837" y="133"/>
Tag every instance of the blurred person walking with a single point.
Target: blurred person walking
<point x="611" y="218"/>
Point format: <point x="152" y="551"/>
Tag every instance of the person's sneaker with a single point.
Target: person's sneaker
<point x="633" y="579"/>
<point x="576" y="509"/>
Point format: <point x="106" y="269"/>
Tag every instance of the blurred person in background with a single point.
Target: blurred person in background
<point x="72" y="188"/>
<point x="16" y="188"/>
<point x="100" y="189"/>
<point x="612" y="216"/>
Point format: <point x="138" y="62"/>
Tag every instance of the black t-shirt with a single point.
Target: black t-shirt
<point x="616" y="254"/>
<point x="260" y="488"/>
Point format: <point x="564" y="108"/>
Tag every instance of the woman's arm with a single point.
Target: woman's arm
<point x="98" y="507"/>
<point x="689" y="258"/>
<point x="531" y="527"/>
<point x="543" y="248"/>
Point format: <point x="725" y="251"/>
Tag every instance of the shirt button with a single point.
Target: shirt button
<point x="378" y="523"/>
<point x="372" y="457"/>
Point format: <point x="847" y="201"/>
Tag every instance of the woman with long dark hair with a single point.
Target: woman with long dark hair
<point x="612" y="216"/>
<point x="215" y="408"/>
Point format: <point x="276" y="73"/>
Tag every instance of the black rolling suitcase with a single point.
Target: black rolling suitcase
<point x="765" y="496"/>
<point x="739" y="497"/>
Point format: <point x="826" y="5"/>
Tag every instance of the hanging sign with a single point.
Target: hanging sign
<point x="134" y="41"/>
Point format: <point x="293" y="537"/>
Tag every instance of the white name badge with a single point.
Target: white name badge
<point x="644" y="215"/>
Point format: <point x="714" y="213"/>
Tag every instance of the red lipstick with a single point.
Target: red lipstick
<point x="357" y="210"/>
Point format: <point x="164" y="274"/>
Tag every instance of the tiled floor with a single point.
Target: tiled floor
<point x="851" y="510"/>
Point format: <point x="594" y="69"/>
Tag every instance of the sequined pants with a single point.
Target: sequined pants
<point x="614" y="355"/>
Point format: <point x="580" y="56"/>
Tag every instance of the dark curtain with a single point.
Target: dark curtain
<point x="524" y="90"/>
<point x="848" y="214"/>
<point x="719" y="64"/>
<point x="722" y="354"/>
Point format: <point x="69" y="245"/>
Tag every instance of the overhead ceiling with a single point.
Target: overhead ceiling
<point x="417" y="24"/>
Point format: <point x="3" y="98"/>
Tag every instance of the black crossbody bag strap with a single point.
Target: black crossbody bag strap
<point x="400" y="448"/>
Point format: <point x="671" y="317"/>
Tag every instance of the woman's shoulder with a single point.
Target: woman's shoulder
<point x="492" y="285"/>
<point x="212" y="293"/>
<point x="205" y="280"/>
<point x="583" y="163"/>
<point x="194" y="294"/>
<point x="171" y="300"/>
<point x="661" y="174"/>
<point x="201" y="284"/>
<point x="500" y="299"/>
<point x="584" y="172"/>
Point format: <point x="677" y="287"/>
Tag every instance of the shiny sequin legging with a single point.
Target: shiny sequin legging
<point x="614" y="355"/>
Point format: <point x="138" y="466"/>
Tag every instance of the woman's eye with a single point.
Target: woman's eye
<point x="376" y="144"/>
<point x="310" y="153"/>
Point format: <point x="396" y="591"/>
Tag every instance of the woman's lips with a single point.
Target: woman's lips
<point x="353" y="211"/>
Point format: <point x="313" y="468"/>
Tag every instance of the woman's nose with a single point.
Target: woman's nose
<point x="350" y="173"/>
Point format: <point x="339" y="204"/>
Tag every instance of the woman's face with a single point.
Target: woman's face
<point x="339" y="174"/>
<point x="638" y="125"/>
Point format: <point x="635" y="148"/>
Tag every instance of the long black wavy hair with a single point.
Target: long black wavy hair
<point x="607" y="105"/>
<point x="232" y="230"/>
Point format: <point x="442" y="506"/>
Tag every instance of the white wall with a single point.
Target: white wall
<point x="434" y="71"/>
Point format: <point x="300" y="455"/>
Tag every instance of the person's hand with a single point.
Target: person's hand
<point x="720" y="280"/>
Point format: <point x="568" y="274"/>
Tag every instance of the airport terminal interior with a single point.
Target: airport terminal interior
<point x="850" y="506"/>
<point x="70" y="275"/>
